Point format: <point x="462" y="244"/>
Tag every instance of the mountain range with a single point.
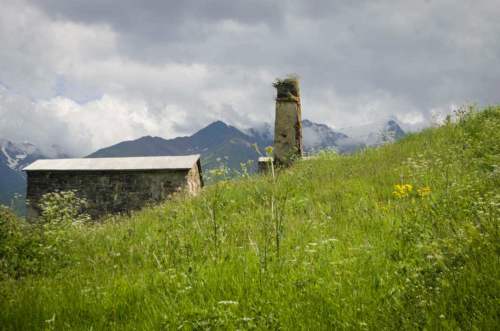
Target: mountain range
<point x="13" y="158"/>
<point x="217" y="143"/>
<point x="376" y="133"/>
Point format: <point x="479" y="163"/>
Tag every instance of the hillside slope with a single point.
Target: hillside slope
<point x="404" y="236"/>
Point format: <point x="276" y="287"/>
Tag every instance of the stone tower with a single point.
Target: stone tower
<point x="288" y="121"/>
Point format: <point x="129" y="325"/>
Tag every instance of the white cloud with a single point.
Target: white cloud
<point x="80" y="128"/>
<point x="98" y="72"/>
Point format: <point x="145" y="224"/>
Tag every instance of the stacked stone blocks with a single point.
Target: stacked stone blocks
<point x="288" y="122"/>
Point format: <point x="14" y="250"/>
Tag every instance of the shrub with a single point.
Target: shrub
<point x="62" y="209"/>
<point x="18" y="246"/>
<point x="40" y="247"/>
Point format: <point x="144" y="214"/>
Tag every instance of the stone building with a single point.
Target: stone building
<point x="288" y="121"/>
<point x="114" y="185"/>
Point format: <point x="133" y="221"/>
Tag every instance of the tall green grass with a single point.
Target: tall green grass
<point x="324" y="245"/>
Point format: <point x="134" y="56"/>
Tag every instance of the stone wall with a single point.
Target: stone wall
<point x="288" y="122"/>
<point x="109" y="192"/>
<point x="194" y="179"/>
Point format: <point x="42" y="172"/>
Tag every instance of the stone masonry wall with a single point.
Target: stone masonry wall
<point x="194" y="179"/>
<point x="288" y="127"/>
<point x="110" y="192"/>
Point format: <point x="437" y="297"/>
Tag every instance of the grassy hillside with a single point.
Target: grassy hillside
<point x="331" y="243"/>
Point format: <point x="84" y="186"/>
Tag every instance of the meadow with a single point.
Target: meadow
<point x="404" y="236"/>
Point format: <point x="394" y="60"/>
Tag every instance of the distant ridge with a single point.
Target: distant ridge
<point x="376" y="133"/>
<point x="217" y="143"/>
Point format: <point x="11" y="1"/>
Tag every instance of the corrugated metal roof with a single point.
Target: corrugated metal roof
<point x="116" y="163"/>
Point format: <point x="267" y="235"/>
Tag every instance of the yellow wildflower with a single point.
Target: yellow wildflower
<point x="269" y="150"/>
<point x="402" y="190"/>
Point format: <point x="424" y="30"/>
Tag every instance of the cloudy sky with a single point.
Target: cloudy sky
<point x="85" y="74"/>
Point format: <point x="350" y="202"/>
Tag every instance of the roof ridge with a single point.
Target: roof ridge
<point x="116" y="163"/>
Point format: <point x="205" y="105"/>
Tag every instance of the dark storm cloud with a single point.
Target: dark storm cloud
<point x="125" y="13"/>
<point x="150" y="23"/>
<point x="422" y="50"/>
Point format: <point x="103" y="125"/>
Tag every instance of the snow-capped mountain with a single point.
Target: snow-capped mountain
<point x="17" y="156"/>
<point x="315" y="136"/>
<point x="376" y="133"/>
<point x="263" y="133"/>
<point x="13" y="158"/>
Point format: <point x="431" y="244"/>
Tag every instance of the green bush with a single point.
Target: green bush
<point x="40" y="247"/>
<point x="62" y="209"/>
<point x="10" y="239"/>
<point x="19" y="245"/>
